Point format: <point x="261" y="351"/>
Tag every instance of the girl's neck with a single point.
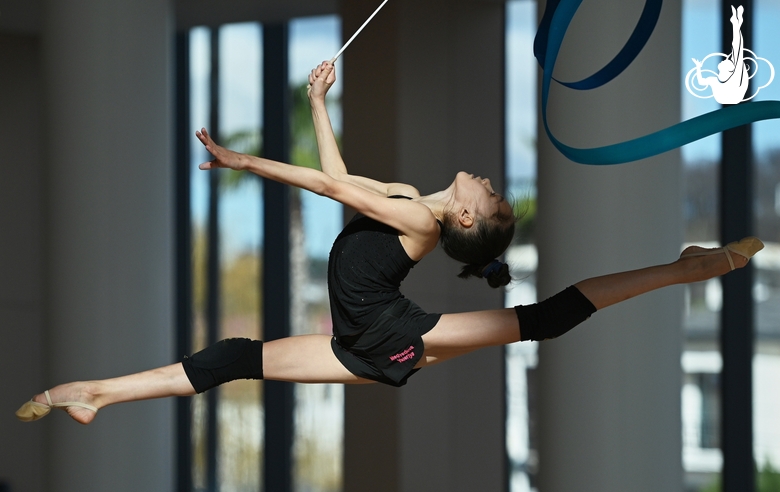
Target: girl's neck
<point x="437" y="202"/>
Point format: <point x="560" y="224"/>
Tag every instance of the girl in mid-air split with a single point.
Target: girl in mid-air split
<point x="378" y="334"/>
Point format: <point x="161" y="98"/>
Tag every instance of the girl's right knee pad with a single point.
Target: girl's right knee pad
<point x="226" y="360"/>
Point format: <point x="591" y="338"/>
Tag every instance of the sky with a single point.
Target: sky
<point x="311" y="41"/>
<point x="701" y="36"/>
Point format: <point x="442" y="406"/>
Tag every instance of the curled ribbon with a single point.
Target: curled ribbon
<point x="549" y="37"/>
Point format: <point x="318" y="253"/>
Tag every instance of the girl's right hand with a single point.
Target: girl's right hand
<point x="223" y="158"/>
<point x="321" y="79"/>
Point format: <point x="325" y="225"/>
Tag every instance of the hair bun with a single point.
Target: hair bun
<point x="491" y="268"/>
<point x="497" y="274"/>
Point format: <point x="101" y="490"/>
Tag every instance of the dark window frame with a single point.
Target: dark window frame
<point x="278" y="396"/>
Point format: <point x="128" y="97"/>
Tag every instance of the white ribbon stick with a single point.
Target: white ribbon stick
<point x="333" y="60"/>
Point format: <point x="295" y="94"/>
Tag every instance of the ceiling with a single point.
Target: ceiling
<point x="24" y="16"/>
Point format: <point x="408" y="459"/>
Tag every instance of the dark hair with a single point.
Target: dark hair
<point x="479" y="245"/>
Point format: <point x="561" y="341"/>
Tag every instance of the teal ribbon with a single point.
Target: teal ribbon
<point x="644" y="28"/>
<point x="547" y="44"/>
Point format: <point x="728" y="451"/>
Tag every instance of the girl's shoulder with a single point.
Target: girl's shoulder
<point x="402" y="189"/>
<point x="424" y="237"/>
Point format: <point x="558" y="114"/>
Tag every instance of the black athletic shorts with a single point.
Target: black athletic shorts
<point x="388" y="350"/>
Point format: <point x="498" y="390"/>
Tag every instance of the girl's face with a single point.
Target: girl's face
<point x="477" y="194"/>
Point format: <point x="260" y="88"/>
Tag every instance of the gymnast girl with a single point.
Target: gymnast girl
<point x="378" y="334"/>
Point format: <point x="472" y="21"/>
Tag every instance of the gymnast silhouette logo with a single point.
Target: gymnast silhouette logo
<point x="730" y="84"/>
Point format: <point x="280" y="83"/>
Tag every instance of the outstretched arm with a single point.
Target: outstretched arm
<point x="320" y="81"/>
<point x="302" y="177"/>
<point x="410" y="218"/>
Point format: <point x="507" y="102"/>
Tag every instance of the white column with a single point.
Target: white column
<point x="609" y="391"/>
<point x="423" y="99"/>
<point x="107" y="68"/>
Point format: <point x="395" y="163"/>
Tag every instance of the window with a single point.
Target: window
<point x="766" y="288"/>
<point x="701" y="362"/>
<point x="315" y="223"/>
<point x="521" y="72"/>
<point x="223" y="231"/>
<point x="703" y="390"/>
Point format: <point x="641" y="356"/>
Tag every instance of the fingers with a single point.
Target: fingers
<point x="203" y="136"/>
<point x="328" y="70"/>
<point x="205" y="139"/>
<point x="325" y="67"/>
<point x="321" y="78"/>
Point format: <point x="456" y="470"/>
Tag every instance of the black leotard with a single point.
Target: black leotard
<point x="377" y="332"/>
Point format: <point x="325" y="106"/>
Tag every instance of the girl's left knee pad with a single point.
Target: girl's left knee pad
<point x="554" y="316"/>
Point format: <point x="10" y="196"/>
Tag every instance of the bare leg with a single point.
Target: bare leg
<point x="304" y="359"/>
<point x="461" y="333"/>
<point x="155" y="383"/>
<point x="611" y="289"/>
<point x="458" y="334"/>
<point x="309" y="358"/>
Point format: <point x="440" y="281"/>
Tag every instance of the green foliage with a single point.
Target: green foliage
<point x="712" y="487"/>
<point x="239" y="277"/>
<point x="244" y="141"/>
<point x="248" y="141"/>
<point x="304" y="141"/>
<point x="767" y="480"/>
<point x="525" y="209"/>
<point x="304" y="150"/>
<point x="241" y="286"/>
<point x="199" y="247"/>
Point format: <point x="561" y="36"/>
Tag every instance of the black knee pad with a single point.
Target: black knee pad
<point x="226" y="360"/>
<point x="554" y="316"/>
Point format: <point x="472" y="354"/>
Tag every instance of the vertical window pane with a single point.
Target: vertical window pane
<point x="701" y="360"/>
<point x="200" y="69"/>
<point x="238" y="444"/>
<point x="521" y="73"/>
<point x="239" y="412"/>
<point x="766" y="289"/>
<point x="314" y="223"/>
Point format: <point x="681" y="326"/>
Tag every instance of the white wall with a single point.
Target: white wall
<point x="609" y="391"/>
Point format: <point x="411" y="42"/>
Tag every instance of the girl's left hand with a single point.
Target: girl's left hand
<point x="223" y="158"/>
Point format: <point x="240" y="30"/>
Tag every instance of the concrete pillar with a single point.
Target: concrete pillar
<point x="609" y="391"/>
<point x="107" y="72"/>
<point x="423" y="99"/>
